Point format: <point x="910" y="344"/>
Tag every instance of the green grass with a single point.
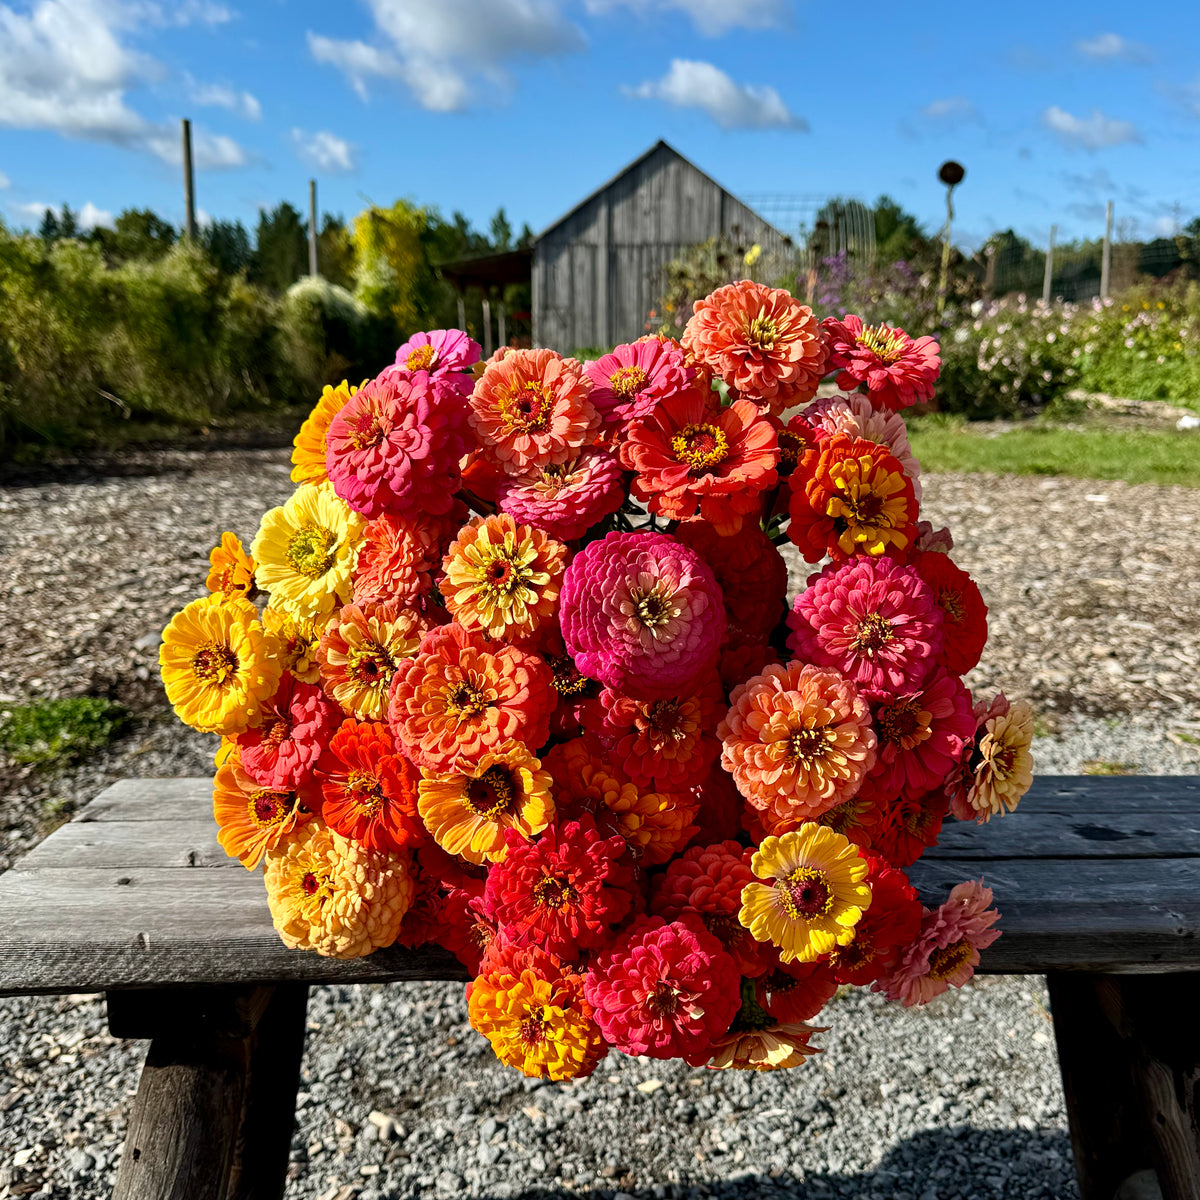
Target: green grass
<point x="1136" y="456"/>
<point x="51" y="732"/>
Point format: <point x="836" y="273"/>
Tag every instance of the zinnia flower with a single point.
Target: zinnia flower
<point x="756" y="1041"/>
<point x="296" y="642"/>
<point x="895" y="370"/>
<point x="563" y="892"/>
<point x="252" y="819"/>
<point x="875" y="620"/>
<point x="330" y="895"/>
<point x="502" y="578"/>
<point x="218" y="666"/>
<point x="369" y="788"/>
<point x="642" y="614"/>
<point x="446" y="354"/>
<point x="294" y="726"/>
<point x="566" y="499"/>
<point x="857" y="500"/>
<point x="692" y="457"/>
<point x="533" y="409"/>
<point x="308" y="457"/>
<point x="854" y="414"/>
<point x="889" y="925"/>
<point x="631" y="381"/>
<point x="1000" y="771"/>
<point x="396" y="446"/>
<point x="947" y="952"/>
<point x="964" y="614"/>
<point x="399" y="555"/>
<point x="816" y="894"/>
<point x="760" y="341"/>
<point x="360" y="651"/>
<point x="469" y="810"/>
<point x="664" y="990"/>
<point x="231" y="570"/>
<point x="906" y="825"/>
<point x="797" y="739"/>
<point x="305" y="552"/>
<point x="458" y="698"/>
<point x="795" y="991"/>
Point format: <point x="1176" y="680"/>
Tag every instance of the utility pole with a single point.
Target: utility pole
<point x="1106" y="254"/>
<point x="189" y="187"/>
<point x="312" y="227"/>
<point x="1049" y="276"/>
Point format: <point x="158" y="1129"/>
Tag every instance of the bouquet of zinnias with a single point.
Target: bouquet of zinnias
<point x="527" y="685"/>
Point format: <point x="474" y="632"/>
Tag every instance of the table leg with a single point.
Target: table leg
<point x="216" y="1102"/>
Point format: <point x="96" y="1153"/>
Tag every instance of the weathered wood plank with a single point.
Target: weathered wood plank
<point x="1083" y="834"/>
<point x="130" y="844"/>
<point x="151" y="800"/>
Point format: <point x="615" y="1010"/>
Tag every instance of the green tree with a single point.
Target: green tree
<point x="137" y="233"/>
<point x="335" y="252"/>
<point x="501" y="230"/>
<point x="228" y="246"/>
<point x="68" y="223"/>
<point x="898" y="234"/>
<point x="48" y="230"/>
<point x="281" y="249"/>
<point x="392" y="270"/>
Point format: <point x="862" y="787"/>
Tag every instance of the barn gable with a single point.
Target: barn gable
<point x="596" y="270"/>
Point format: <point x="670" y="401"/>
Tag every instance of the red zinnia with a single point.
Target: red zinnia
<point x="909" y="826"/>
<point x="887" y="927"/>
<point x="896" y="370"/>
<point x="795" y="991"/>
<point x="964" y="614"/>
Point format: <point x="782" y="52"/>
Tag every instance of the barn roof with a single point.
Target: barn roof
<point x="637" y="162"/>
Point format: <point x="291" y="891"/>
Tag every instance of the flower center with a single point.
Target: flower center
<point x="791" y="447"/>
<point x="944" y="961"/>
<point x="841" y="818"/>
<point x="857" y="954"/>
<point x="420" y="359"/>
<point x="663" y="1001"/>
<point x="277" y="730"/>
<point x="652" y="609"/>
<point x="310" y="884"/>
<point x="807" y="746"/>
<point x="532" y="1030"/>
<point x="365" y="794"/>
<point x="270" y="808"/>
<point x="567" y="678"/>
<point x="872" y="634"/>
<point x="491" y="795"/>
<point x="950" y="601"/>
<point x="627" y="381"/>
<point x="904" y="723"/>
<point x="805" y="894"/>
<point x="499" y="575"/>
<point x="370" y="664"/>
<point x="215" y="664"/>
<point x="762" y="332"/>
<point x="527" y="408"/>
<point x="886" y="344"/>
<point x="465" y="700"/>
<point x="702" y="447"/>
<point x="366" y="430"/>
<point x="552" y="892"/>
<point x="725" y="927"/>
<point x="665" y="721"/>
<point x="312" y="551"/>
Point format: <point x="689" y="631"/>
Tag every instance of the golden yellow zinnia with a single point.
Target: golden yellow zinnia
<point x="305" y="552"/>
<point x="297" y="641"/>
<point x="815" y="897"/>
<point x="308" y="455"/>
<point x="218" y="665"/>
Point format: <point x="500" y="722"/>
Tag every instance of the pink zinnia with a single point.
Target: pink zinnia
<point x="565" y="501"/>
<point x="297" y="724"/>
<point x="663" y="990"/>
<point x="895" y="370"/>
<point x="874" y="620"/>
<point x="856" y="415"/>
<point x="447" y="354"/>
<point x="630" y="382"/>
<point x="396" y="446"/>
<point x="947" y="951"/>
<point x="921" y="736"/>
<point x="642" y="614"/>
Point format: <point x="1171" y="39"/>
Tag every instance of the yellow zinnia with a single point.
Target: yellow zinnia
<point x="306" y="550"/>
<point x="218" y="665"/>
<point x="815" y="897"/>
<point x="297" y="641"/>
<point x="308" y="455"/>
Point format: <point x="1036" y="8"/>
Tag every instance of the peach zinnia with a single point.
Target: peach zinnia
<point x="359" y="653"/>
<point x="760" y="341"/>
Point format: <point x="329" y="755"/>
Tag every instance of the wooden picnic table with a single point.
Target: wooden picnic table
<point x="1098" y="881"/>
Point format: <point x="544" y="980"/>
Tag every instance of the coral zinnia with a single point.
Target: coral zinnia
<point x="692" y="457"/>
<point x="456" y="697"/>
<point x="964" y="614"/>
<point x="890" y="924"/>
<point x="231" y="570"/>
<point x="795" y="991"/>
<point x="857" y="500"/>
<point x="563" y="892"/>
<point x="294" y="726"/>
<point x="502" y="578"/>
<point x="399" y="555"/>
<point x="854" y="414"/>
<point x="446" y="354"/>
<point x="308" y="457"/>
<point x="218" y="666"/>
<point x="760" y="341"/>
<point x="565" y="499"/>
<point x="642" y="614"/>
<point x="816" y="895"/>
<point x="664" y="990"/>
<point x="469" y="810"/>
<point x="628" y="383"/>
<point x="533" y="408"/>
<point x="329" y="895"/>
<point x="252" y="819"/>
<point x="305" y="552"/>
<point x="396" y="446"/>
<point x="798" y="740"/>
<point x="874" y="620"/>
<point x="369" y="788"/>
<point x="896" y="370"/>
<point x="360" y="651"/>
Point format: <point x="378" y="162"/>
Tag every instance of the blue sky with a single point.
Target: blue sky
<point x="530" y="104"/>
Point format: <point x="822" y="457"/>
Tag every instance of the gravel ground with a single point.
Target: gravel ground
<point x="1095" y="617"/>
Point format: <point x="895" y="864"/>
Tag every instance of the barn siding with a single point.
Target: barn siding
<point x="596" y="273"/>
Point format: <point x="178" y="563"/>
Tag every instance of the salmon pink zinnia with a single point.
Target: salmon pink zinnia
<point x="895" y="370"/>
<point x="631" y="381"/>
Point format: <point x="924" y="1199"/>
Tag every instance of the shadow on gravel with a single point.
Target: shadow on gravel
<point x="937" y="1164"/>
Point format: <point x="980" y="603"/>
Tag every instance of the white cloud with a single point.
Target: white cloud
<point x="4" y="181"/>
<point x="325" y="151"/>
<point x="711" y="17"/>
<point x="65" y="68"/>
<point x="34" y="210"/>
<point x="219" y="95"/>
<point x="952" y="108"/>
<point x="690" y="84"/>
<point x="89" y="216"/>
<point x="1111" y="47"/>
<point x="1165" y="227"/>
<point x="443" y="52"/>
<point x="1092" y="133"/>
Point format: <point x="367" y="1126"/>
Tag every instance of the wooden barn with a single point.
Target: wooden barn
<point x="597" y="271"/>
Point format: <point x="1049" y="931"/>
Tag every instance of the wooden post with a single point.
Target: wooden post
<point x="1048" y="277"/>
<point x="944" y="273"/>
<point x="312" y="227"/>
<point x="189" y="189"/>
<point x="989" y="275"/>
<point x="487" y="328"/>
<point x="462" y="313"/>
<point x="502" y="325"/>
<point x="1106" y="253"/>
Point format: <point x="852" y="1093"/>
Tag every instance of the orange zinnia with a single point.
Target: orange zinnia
<point x="252" y="819"/>
<point x="308" y="457"/>
<point x="232" y="570"/>
<point x="359" y="652"/>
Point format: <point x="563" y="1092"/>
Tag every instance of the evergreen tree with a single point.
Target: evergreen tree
<point x="137" y="234"/>
<point x="281" y="248"/>
<point x="228" y="245"/>
<point x="501" y="231"/>
<point x="48" y="230"/>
